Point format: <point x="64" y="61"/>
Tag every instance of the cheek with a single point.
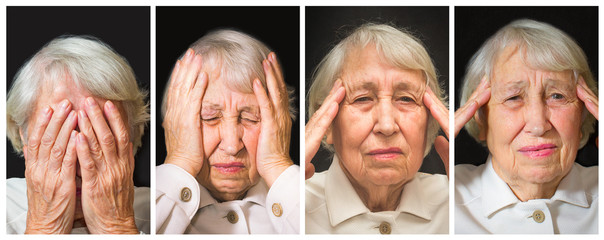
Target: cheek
<point x="567" y="121"/>
<point x="211" y="139"/>
<point x="250" y="140"/>
<point x="351" y="126"/>
<point x="503" y="124"/>
<point x="413" y="126"/>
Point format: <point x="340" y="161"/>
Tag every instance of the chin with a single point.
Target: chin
<point x="231" y="186"/>
<point x="386" y="177"/>
<point x="542" y="175"/>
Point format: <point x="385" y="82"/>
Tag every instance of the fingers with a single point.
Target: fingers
<point x="102" y="132"/>
<point x="266" y="110"/>
<point x="53" y="128"/>
<point x="321" y="120"/>
<point x="588" y="97"/>
<point x="87" y="164"/>
<point x="442" y="148"/>
<point x="310" y="170"/>
<point x="479" y="97"/>
<point x="59" y="148"/>
<point x="272" y="57"/>
<point x="35" y="135"/>
<point x="69" y="161"/>
<point x="437" y="109"/>
<point x="199" y="92"/>
<point x="118" y="128"/>
<point x="272" y="84"/>
<point x="86" y="128"/>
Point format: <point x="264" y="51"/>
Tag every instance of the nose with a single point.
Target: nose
<point x="231" y="133"/>
<point x="536" y="117"/>
<point x="384" y="118"/>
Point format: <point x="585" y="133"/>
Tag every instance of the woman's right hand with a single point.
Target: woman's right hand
<point x="182" y="121"/>
<point x="479" y="97"/>
<point x="319" y="124"/>
<point x="50" y="169"/>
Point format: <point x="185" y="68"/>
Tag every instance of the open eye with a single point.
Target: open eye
<point x="513" y="98"/>
<point x="557" y="96"/>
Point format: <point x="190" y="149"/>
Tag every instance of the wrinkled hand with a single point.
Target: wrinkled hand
<point x="441" y="114"/>
<point x="182" y="121"/>
<point x="272" y="157"/>
<point x="589" y="98"/>
<point x="479" y="97"/>
<point x="320" y="122"/>
<point x="50" y="169"/>
<point x="107" y="166"/>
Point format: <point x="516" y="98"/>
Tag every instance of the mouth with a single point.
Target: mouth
<point x="537" y="151"/>
<point x="386" y="153"/>
<point x="228" y="168"/>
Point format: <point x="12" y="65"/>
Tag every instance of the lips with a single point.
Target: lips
<point x="229" y="168"/>
<point x="386" y="153"/>
<point x="537" y="151"/>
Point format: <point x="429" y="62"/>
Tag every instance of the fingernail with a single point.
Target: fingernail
<point x="80" y="138"/>
<point x="272" y="57"/>
<point x="189" y="52"/>
<point x="73" y="134"/>
<point x="70" y="116"/>
<point x="83" y="114"/>
<point x="89" y="101"/>
<point x="46" y="111"/>
<point x="110" y="105"/>
<point x="177" y="64"/>
<point x="64" y="104"/>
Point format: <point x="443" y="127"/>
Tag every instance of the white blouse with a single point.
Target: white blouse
<point x="485" y="204"/>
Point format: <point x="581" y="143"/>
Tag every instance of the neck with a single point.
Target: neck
<point x="525" y="190"/>
<point x="377" y="198"/>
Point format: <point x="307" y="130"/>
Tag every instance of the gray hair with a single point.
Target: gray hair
<point x="93" y="66"/>
<point x="398" y="47"/>
<point x="239" y="57"/>
<point x="546" y="47"/>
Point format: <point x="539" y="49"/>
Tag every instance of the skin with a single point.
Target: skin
<point x="71" y="183"/>
<point x="528" y="107"/>
<point x="207" y="129"/>
<point x="374" y="106"/>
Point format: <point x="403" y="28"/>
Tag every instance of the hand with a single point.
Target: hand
<point x="107" y="165"/>
<point x="272" y="157"/>
<point x="182" y="122"/>
<point x="589" y="98"/>
<point x="50" y="169"/>
<point x="479" y="97"/>
<point x="441" y="114"/>
<point x="320" y="122"/>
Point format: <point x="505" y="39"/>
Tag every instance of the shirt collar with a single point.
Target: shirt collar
<point x="343" y="202"/>
<point x="497" y="194"/>
<point x="256" y="194"/>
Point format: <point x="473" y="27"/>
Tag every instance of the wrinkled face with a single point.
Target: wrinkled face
<point x="231" y="126"/>
<point x="534" y="121"/>
<point x="52" y="93"/>
<point x="380" y="130"/>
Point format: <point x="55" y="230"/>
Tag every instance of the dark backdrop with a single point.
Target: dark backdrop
<point x="326" y="26"/>
<point x="178" y="27"/>
<point x="474" y="25"/>
<point x="126" y="29"/>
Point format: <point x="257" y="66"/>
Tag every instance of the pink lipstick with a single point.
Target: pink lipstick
<point x="386" y="153"/>
<point x="228" y="168"/>
<point x="537" y="151"/>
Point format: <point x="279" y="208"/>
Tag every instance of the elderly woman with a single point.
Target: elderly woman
<point x="377" y="119"/>
<point x="528" y="92"/>
<point x="227" y="119"/>
<point x="77" y="115"/>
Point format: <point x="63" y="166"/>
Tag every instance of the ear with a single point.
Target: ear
<point x="23" y="142"/>
<point x="480" y="118"/>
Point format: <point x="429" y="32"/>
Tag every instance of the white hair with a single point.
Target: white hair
<point x="93" y="66"/>
<point x="239" y="57"/>
<point x="398" y="48"/>
<point x="545" y="47"/>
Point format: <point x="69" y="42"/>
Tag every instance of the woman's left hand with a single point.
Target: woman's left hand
<point x="588" y="97"/>
<point x="441" y="114"/>
<point x="272" y="157"/>
<point x="107" y="165"/>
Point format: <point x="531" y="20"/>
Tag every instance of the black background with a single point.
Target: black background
<point x="178" y="27"/>
<point x="126" y="29"/>
<point x="474" y="25"/>
<point x="326" y="26"/>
